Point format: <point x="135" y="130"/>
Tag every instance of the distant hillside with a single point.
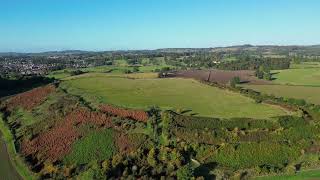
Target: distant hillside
<point x="313" y="50"/>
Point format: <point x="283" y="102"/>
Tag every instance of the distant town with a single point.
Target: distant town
<point x="232" y="58"/>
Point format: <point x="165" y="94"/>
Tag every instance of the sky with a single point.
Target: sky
<point x="45" y="25"/>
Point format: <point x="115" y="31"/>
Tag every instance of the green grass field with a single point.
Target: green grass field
<point x="304" y="65"/>
<point x="304" y="175"/>
<point x="96" y="146"/>
<point x="110" y="70"/>
<point x="228" y="59"/>
<point x="310" y="94"/>
<point x="303" y="76"/>
<point x="174" y="94"/>
<point x="301" y="81"/>
<point x="107" y="75"/>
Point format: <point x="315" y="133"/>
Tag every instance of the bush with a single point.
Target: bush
<point x="76" y="72"/>
<point x="97" y="145"/>
<point x="185" y="172"/>
<point x="290" y="121"/>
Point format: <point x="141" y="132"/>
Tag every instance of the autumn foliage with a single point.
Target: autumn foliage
<point x="30" y="99"/>
<point x="56" y="142"/>
<point x="137" y="115"/>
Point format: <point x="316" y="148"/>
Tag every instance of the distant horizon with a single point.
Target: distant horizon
<point x="150" y="49"/>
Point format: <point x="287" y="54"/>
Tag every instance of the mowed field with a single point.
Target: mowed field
<point x="303" y="76"/>
<point x="108" y="70"/>
<point x="171" y="93"/>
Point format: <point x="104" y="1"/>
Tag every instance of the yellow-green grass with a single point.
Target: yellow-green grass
<point x="16" y="160"/>
<point x="111" y="70"/>
<point x="304" y="65"/>
<point x="304" y="76"/>
<point x="303" y="175"/>
<point x="133" y="75"/>
<point x="308" y="93"/>
<point x="120" y="69"/>
<point x="60" y="74"/>
<point x="186" y="94"/>
<point x="121" y="62"/>
<point x="231" y="58"/>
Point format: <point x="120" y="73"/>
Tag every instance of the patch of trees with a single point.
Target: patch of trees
<point x="253" y="63"/>
<point x="263" y="73"/>
<point x="234" y="81"/>
<point x="76" y="72"/>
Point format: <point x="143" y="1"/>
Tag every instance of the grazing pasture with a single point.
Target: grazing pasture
<point x="168" y="93"/>
<point x="302" y="76"/>
<point x="308" y="93"/>
<point x="107" y="75"/>
<point x="304" y="65"/>
<point x="111" y="71"/>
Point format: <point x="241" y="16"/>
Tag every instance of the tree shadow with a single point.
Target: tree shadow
<point x="185" y="111"/>
<point x="204" y="170"/>
<point x="14" y="86"/>
<point x="244" y="82"/>
<point x="194" y="114"/>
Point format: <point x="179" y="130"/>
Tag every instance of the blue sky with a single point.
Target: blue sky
<point x="42" y="25"/>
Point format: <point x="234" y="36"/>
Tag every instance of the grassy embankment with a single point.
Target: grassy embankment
<point x="16" y="160"/>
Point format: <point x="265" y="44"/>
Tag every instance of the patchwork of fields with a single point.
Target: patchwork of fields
<point x="108" y="123"/>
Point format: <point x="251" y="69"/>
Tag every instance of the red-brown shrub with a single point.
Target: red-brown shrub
<point x="57" y="142"/>
<point x="137" y="115"/>
<point x="30" y="99"/>
<point x="52" y="144"/>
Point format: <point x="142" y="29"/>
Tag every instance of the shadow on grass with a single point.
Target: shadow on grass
<point x="14" y="86"/>
<point x="204" y="170"/>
